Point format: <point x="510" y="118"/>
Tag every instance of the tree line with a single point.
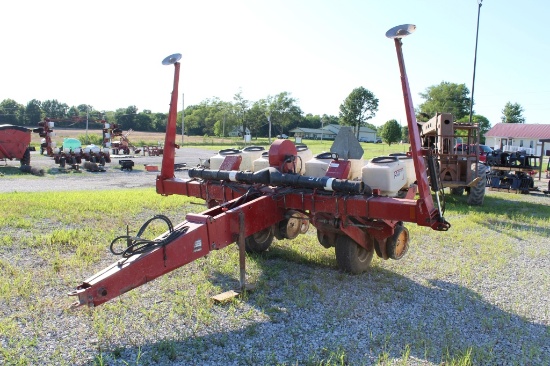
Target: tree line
<point x="270" y="116"/>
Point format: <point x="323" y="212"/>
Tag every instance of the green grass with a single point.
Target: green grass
<point x="67" y="235"/>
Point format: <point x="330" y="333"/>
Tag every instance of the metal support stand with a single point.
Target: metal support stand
<point x="243" y="286"/>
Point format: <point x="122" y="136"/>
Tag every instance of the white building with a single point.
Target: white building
<point x="329" y="132"/>
<point x="518" y="136"/>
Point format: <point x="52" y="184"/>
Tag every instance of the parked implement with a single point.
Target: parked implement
<point x="251" y="208"/>
<point x="14" y="143"/>
<point x="458" y="163"/>
<point x="512" y="170"/>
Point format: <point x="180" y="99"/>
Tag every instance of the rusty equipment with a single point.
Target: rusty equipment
<point x="14" y="143"/>
<point x="251" y="208"/>
<point x="457" y="168"/>
<point x="95" y="155"/>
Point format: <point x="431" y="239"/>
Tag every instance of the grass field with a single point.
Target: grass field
<point x="488" y="275"/>
<point x="478" y="294"/>
<point x="215" y="143"/>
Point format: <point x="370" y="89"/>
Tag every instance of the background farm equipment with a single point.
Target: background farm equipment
<point x="126" y="164"/>
<point x="251" y="208"/>
<point x="123" y="145"/>
<point x="14" y="143"/>
<point x="153" y="150"/>
<point x="70" y="153"/>
<point x="512" y="171"/>
<point x="458" y="168"/>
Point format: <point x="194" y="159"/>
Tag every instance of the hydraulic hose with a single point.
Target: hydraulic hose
<point x="271" y="176"/>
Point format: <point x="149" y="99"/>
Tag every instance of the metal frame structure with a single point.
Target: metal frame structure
<point x="251" y="208"/>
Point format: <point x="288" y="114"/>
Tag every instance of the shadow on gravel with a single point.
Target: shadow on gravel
<point x="314" y="314"/>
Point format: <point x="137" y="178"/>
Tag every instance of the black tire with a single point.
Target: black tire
<point x="259" y="242"/>
<point x="62" y="162"/>
<point x="458" y="191"/>
<point x="326" y="240"/>
<point x="26" y="159"/>
<point x="350" y="256"/>
<point x="477" y="192"/>
<point x="102" y="161"/>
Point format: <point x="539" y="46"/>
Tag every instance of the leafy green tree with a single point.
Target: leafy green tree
<point x="444" y="98"/>
<point x="54" y="109"/>
<point x="512" y="113"/>
<point x="11" y="112"/>
<point x="331" y="120"/>
<point x="210" y="117"/>
<point x="159" y="121"/>
<point x="311" y="121"/>
<point x="125" y="117"/>
<point x="256" y="119"/>
<point x="405" y="133"/>
<point x="282" y="111"/>
<point x="482" y="121"/>
<point x="73" y="112"/>
<point x="225" y="118"/>
<point x="143" y="122"/>
<point x="360" y="106"/>
<point x="33" y="112"/>
<point x="241" y="107"/>
<point x="83" y="108"/>
<point x="391" y="132"/>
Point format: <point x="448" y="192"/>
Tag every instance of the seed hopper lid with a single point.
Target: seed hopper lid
<point x="401" y="31"/>
<point x="172" y="59"/>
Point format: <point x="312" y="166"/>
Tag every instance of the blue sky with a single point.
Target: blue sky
<point x="108" y="53"/>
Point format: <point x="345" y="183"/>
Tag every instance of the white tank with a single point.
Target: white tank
<point x="262" y="162"/>
<point x="386" y="173"/>
<point x="250" y="154"/>
<point x="409" y="166"/>
<point x="304" y="155"/>
<point x="91" y="148"/>
<point x="318" y="166"/>
<point x="356" y="170"/>
<point x="217" y="160"/>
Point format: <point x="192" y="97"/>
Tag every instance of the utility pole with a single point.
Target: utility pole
<point x="475" y="60"/>
<point x="87" y="116"/>
<point x="269" y="121"/>
<point x="223" y="126"/>
<point x="182" y="116"/>
<point x="322" y="126"/>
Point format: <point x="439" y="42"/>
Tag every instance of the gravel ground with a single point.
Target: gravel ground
<point x="400" y="313"/>
<point x="67" y="180"/>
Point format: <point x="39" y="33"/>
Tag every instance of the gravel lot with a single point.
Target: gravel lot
<point x="113" y="177"/>
<point x="400" y="313"/>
